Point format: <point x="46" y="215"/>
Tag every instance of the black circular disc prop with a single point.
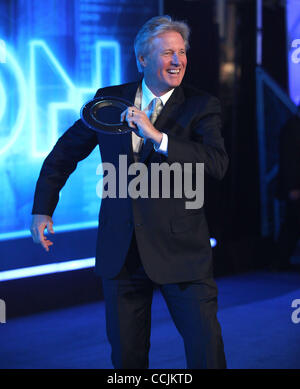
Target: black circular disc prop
<point x="103" y="115"/>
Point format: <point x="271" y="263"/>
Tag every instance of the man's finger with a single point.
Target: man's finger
<point x="46" y="244"/>
<point x="123" y="115"/>
<point x="130" y="120"/>
<point x="41" y="237"/>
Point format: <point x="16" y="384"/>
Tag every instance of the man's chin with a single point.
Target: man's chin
<point x="174" y="83"/>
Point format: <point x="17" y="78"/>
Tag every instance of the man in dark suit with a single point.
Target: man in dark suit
<point x="150" y="240"/>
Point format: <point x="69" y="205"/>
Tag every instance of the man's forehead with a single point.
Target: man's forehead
<point x="169" y="38"/>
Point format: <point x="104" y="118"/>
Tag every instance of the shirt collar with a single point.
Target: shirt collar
<point x="148" y="96"/>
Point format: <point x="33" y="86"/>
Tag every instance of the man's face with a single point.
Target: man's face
<point x="164" y="66"/>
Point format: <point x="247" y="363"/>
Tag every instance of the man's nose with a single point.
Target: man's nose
<point x="175" y="59"/>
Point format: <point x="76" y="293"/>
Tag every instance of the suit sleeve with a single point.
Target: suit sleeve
<point x="73" y="146"/>
<point x="206" y="144"/>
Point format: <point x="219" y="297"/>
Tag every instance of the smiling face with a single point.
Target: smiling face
<point x="164" y="66"/>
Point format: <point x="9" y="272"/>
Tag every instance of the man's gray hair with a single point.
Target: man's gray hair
<point x="154" y="27"/>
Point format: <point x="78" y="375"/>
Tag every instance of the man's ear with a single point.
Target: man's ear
<point x="142" y="61"/>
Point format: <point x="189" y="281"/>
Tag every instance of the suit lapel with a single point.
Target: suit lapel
<point x="129" y="91"/>
<point x="168" y="111"/>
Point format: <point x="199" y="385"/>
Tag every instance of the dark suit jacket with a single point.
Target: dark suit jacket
<point x="173" y="242"/>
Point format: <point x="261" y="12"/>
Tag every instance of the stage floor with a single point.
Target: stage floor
<point x="254" y="311"/>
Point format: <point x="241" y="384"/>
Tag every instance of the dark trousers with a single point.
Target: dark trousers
<point x="192" y="305"/>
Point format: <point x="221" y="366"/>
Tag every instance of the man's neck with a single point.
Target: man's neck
<point x="148" y="95"/>
<point x="157" y="92"/>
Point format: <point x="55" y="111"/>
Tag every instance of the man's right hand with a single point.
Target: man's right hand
<point x="38" y="225"/>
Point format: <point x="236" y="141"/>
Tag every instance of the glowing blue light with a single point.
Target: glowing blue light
<point x="213" y="242"/>
<point x="56" y="267"/>
<point x="61" y="228"/>
<point x="12" y="66"/>
<point x="2" y="92"/>
<point x="114" y="68"/>
<point x="109" y="64"/>
<point x="44" y="111"/>
<point x="2" y="100"/>
<point x="41" y="44"/>
<point x="51" y="268"/>
<point x="34" y="46"/>
<point x="2" y="51"/>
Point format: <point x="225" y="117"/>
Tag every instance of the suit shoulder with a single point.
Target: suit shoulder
<point x="200" y="98"/>
<point x="191" y="91"/>
<point x="115" y="89"/>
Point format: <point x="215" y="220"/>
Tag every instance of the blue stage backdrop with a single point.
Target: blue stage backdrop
<point x="54" y="55"/>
